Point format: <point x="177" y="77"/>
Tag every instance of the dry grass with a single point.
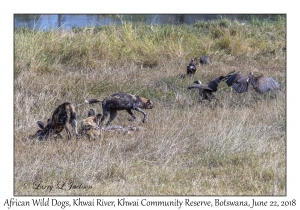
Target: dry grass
<point x="235" y="146"/>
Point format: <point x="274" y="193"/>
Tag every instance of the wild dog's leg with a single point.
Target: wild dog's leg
<point x="131" y="114"/>
<point x="91" y="135"/>
<point x="49" y="133"/>
<point x="105" y="114"/>
<point x="113" y="114"/>
<point x="60" y="136"/>
<point x="98" y="117"/>
<point x="74" y="126"/>
<point x="144" y="113"/>
<point x="68" y="132"/>
<point x="73" y="122"/>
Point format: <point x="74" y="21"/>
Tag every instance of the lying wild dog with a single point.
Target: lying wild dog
<point x="91" y="125"/>
<point x="122" y="101"/>
<point x="63" y="115"/>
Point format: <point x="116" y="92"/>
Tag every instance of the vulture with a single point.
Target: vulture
<point x="204" y="60"/>
<point x="261" y="84"/>
<point x="239" y="82"/>
<point x="206" y="91"/>
<point x="191" y="68"/>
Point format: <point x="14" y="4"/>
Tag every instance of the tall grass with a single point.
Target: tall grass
<point x="234" y="146"/>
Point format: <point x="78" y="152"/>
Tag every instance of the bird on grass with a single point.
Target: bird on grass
<point x="261" y="84"/>
<point x="191" y="68"/>
<point x="204" y="60"/>
<point x="206" y="91"/>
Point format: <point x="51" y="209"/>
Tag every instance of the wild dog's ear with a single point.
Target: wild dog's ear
<point x="97" y="118"/>
<point x="41" y="124"/>
<point x="91" y="113"/>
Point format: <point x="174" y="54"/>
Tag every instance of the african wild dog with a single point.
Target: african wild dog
<point x="63" y="115"/>
<point x="122" y="101"/>
<point x="91" y="125"/>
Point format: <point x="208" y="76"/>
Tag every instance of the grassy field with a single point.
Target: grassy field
<point x="234" y="146"/>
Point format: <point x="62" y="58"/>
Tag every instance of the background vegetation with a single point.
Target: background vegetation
<point x="234" y="146"/>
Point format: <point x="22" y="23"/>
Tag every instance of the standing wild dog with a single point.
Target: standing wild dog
<point x="123" y="101"/>
<point x="91" y="125"/>
<point x="63" y="115"/>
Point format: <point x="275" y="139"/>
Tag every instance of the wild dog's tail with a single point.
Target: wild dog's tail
<point x="92" y="101"/>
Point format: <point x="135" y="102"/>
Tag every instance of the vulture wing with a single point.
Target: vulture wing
<point x="231" y="79"/>
<point x="200" y="87"/>
<point x="240" y="84"/>
<point x="263" y="84"/>
<point x="214" y="83"/>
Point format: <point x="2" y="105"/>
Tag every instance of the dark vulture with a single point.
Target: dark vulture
<point x="261" y="84"/>
<point x="206" y="91"/>
<point x="239" y="82"/>
<point x="204" y="60"/>
<point x="191" y="68"/>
